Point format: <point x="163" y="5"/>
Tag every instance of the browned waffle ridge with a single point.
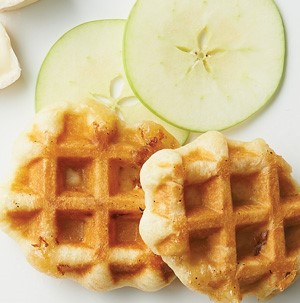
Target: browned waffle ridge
<point x="224" y="215"/>
<point x="75" y="201"/>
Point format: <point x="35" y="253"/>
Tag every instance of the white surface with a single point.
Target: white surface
<point x="33" y="30"/>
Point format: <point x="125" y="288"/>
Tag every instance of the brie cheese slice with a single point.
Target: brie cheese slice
<point x="13" y="4"/>
<point x="10" y="69"/>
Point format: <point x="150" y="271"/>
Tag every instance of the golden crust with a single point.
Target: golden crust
<point x="74" y="200"/>
<point x="224" y="215"/>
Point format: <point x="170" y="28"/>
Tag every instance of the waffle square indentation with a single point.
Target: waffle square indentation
<point x="75" y="130"/>
<point x="31" y="179"/>
<point x="203" y="195"/>
<point x="75" y="175"/>
<point x="124" y="229"/>
<point x="72" y="226"/>
<point x="249" y="189"/>
<point x="25" y="222"/>
<point x="124" y="177"/>
<point x="292" y="236"/>
<point x="251" y="240"/>
<point x="287" y="187"/>
<point x="205" y="245"/>
<point x="123" y="271"/>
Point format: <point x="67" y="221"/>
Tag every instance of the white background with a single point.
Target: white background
<point x="33" y="30"/>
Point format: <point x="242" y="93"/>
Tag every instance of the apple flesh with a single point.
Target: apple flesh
<point x="204" y="65"/>
<point x="86" y="62"/>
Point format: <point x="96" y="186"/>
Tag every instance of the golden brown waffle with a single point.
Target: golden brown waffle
<point x="75" y="201"/>
<point x="224" y="215"/>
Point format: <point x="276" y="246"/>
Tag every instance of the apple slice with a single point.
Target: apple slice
<point x="204" y="65"/>
<point x="86" y="62"/>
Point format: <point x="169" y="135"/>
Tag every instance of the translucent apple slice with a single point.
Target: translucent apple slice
<point x="86" y="62"/>
<point x="204" y="65"/>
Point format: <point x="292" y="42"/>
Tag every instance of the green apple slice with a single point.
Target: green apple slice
<point x="86" y="62"/>
<point x="204" y="65"/>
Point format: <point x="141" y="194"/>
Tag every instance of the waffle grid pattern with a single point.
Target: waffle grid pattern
<point x="239" y="222"/>
<point x="78" y="206"/>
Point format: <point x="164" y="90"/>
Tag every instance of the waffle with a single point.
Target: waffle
<point x="74" y="201"/>
<point x="224" y="215"/>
